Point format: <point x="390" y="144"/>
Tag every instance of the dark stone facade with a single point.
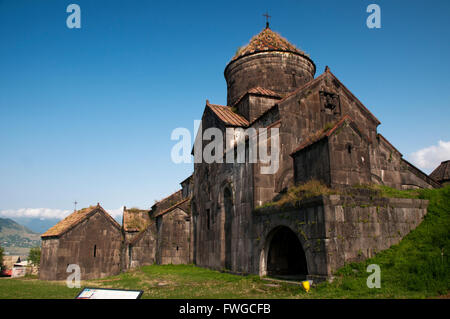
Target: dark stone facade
<point x="325" y="133"/>
<point x="91" y="239"/>
<point x="335" y="229"/>
<point x="173" y="232"/>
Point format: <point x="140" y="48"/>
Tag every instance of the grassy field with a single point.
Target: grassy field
<point x="418" y="267"/>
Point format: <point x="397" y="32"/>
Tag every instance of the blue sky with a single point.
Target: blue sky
<point x="86" y="114"/>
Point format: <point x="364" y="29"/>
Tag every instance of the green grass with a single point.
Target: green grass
<point x="418" y="267"/>
<point x="385" y="191"/>
<point x="168" y="281"/>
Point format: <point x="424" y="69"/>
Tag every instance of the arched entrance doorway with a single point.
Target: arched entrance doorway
<point x="285" y="255"/>
<point x="228" y="207"/>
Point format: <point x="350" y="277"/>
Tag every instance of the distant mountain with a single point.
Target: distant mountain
<point x="37" y="225"/>
<point x="17" y="239"/>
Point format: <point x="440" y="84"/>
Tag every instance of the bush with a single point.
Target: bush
<point x="35" y="255"/>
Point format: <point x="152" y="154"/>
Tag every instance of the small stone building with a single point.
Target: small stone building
<point x="90" y="238"/>
<point x="93" y="240"/>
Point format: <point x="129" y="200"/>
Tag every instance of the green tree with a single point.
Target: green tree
<point x="35" y="255"/>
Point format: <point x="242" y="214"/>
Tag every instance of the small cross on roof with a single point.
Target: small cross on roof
<point x="267" y="18"/>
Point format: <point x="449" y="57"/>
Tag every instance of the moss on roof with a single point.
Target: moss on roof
<point x="267" y="40"/>
<point x="69" y="222"/>
<point x="135" y="219"/>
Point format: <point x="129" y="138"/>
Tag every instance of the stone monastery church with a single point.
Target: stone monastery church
<point x="221" y="219"/>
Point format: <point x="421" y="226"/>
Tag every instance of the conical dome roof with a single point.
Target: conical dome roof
<point x="267" y="40"/>
<point x="270" y="62"/>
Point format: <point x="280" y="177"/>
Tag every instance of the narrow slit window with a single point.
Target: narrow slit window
<point x="95" y="251"/>
<point x="208" y="218"/>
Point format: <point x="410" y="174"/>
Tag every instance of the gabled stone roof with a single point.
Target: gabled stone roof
<point x="327" y="72"/>
<point x="259" y="91"/>
<point x="141" y="233"/>
<point x="74" y="219"/>
<point x="183" y="205"/>
<point x="227" y="116"/>
<point x="319" y="135"/>
<point x="267" y="40"/>
<point x="442" y="172"/>
<point x="166" y="202"/>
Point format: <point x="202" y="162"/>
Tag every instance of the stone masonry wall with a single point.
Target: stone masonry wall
<point x="173" y="238"/>
<point x="357" y="228"/>
<point x="141" y="249"/>
<point x="336" y="229"/>
<point x="281" y="72"/>
<point x="94" y="244"/>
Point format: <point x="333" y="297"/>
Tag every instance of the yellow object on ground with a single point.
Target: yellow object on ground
<point x="305" y="285"/>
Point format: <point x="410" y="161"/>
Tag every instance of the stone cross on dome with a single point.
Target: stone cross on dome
<point x="267" y="19"/>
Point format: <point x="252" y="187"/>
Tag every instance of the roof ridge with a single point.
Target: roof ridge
<point x="172" y="207"/>
<point x="297" y="90"/>
<point x="226" y="115"/>
<point x="389" y="143"/>
<point x="258" y="90"/>
<point x="353" y="96"/>
<point x="318" y="135"/>
<point x="159" y="201"/>
<point x="141" y="233"/>
<point x="72" y="220"/>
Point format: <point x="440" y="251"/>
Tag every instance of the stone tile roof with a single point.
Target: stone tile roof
<point x="267" y="40"/>
<point x="227" y="116"/>
<point x="166" y="202"/>
<point x="135" y="220"/>
<point x="183" y="204"/>
<point x="319" y="135"/>
<point x="262" y="91"/>
<point x="259" y="91"/>
<point x="74" y="219"/>
<point x="442" y="172"/>
<point x="187" y="178"/>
